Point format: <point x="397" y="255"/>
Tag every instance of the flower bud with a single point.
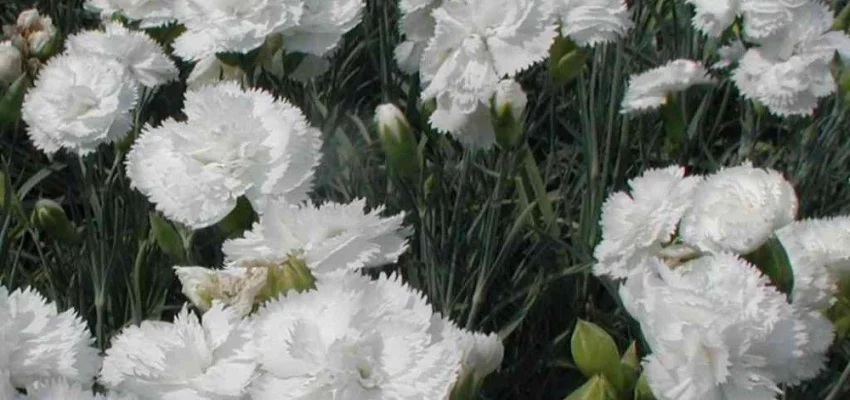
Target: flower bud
<point x="38" y="32"/>
<point x="27" y="18"/>
<point x="596" y="388"/>
<point x="507" y="111"/>
<point x="594" y="351"/>
<point x="12" y="99"/>
<point x="51" y="218"/>
<point x="566" y="60"/>
<point x="11" y="63"/>
<point x="397" y="140"/>
<point x="166" y="236"/>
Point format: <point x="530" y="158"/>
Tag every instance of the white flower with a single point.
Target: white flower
<point x="711" y="325"/>
<point x="333" y="237"/>
<point x="141" y="55"/>
<point x="477" y="42"/>
<point x="481" y="354"/>
<point x="649" y="89"/>
<point x="232" y="26"/>
<point x="151" y="13"/>
<point x="818" y="250"/>
<point x="234" y="143"/>
<point x="761" y="17"/>
<point x="737" y="209"/>
<point x="210" y="70"/>
<point x="78" y="103"/>
<point x="352" y="338"/>
<point x="590" y="22"/>
<point x="417" y="25"/>
<point x="790" y="72"/>
<point x="634" y="226"/>
<point x="237" y="288"/>
<point x="38" y="343"/>
<point x="187" y="359"/>
<point x="322" y="25"/>
<point x="62" y="389"/>
<point x="11" y="63"/>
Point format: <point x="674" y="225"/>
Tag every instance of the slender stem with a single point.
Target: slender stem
<point x="836" y="390"/>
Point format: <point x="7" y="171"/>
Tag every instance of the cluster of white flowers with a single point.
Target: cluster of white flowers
<point x="464" y="50"/>
<point x="85" y="96"/>
<point x="716" y="325"/>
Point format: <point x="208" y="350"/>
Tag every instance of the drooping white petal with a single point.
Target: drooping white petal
<point x="590" y="22"/>
<point x="649" y="89"/>
<point x="151" y="13"/>
<point x="322" y="25"/>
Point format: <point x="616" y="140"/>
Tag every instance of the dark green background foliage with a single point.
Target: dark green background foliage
<point x="484" y="251"/>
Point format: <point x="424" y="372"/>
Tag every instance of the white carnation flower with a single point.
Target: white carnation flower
<point x="143" y="57"/>
<point x="796" y="349"/>
<point x="37" y="342"/>
<point x="712" y="325"/>
<point x="818" y="250"/>
<point x="238" y="288"/>
<point x="761" y="17"/>
<point x="649" y="90"/>
<point x="232" y="26"/>
<point x="78" y="103"/>
<point x="738" y="209"/>
<point x="210" y="70"/>
<point x="352" y="338"/>
<point x="187" y="359"/>
<point x="331" y="238"/>
<point x="477" y="42"/>
<point x="151" y="13"/>
<point x="417" y="25"/>
<point x="590" y="22"/>
<point x="636" y="225"/>
<point x="62" y="389"/>
<point x="791" y="71"/>
<point x="234" y="143"/>
<point x="481" y="354"/>
<point x="322" y="25"/>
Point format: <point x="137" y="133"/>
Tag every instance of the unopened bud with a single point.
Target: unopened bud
<point x="397" y="140"/>
<point x="566" y="60"/>
<point x="507" y="111"/>
<point x="38" y="32"/>
<point x="27" y="18"/>
<point x="594" y="351"/>
<point x="11" y="63"/>
<point x="596" y="388"/>
<point x="51" y="218"/>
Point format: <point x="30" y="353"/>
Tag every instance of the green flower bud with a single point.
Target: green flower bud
<point x="596" y="388"/>
<point x="166" y="237"/>
<point x="594" y="351"/>
<point x="51" y="218"/>
<point x="566" y="60"/>
<point x="507" y="109"/>
<point x="397" y="140"/>
<point x="12" y="99"/>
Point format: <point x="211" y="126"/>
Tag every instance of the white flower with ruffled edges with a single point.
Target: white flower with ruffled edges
<point x="590" y="22"/>
<point x="150" y="13"/>
<point x="417" y="25"/>
<point x="322" y="26"/>
<point x="649" y="90"/>
<point x="352" y="338"/>
<point x="79" y="102"/>
<point x="235" y="143"/>
<point x="141" y="55"/>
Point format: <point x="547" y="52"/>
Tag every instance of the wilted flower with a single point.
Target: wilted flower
<point x="322" y="25"/>
<point x="790" y="72"/>
<point x="11" y="63"/>
<point x="649" y="90"/>
<point x="38" y="343"/>
<point x="417" y="25"/>
<point x="636" y="225"/>
<point x="352" y="338"/>
<point x="151" y="13"/>
<point x="190" y="358"/>
<point x="33" y="33"/>
<point x="78" y="103"/>
<point x="238" y="288"/>
<point x="331" y="238"/>
<point x="209" y="70"/>
<point x="234" y="143"/>
<point x="737" y="209"/>
<point x="477" y="42"/>
<point x="819" y="251"/>
<point x="232" y="26"/>
<point x="142" y="56"/>
<point x="590" y="22"/>
<point x="713" y="325"/>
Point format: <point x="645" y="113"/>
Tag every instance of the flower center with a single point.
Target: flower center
<point x="79" y="100"/>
